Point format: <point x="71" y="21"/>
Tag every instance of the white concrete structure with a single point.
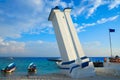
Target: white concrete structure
<point x="73" y="33"/>
<point x="74" y="62"/>
<point x="62" y="34"/>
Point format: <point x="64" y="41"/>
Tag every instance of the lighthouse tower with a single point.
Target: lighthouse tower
<point x="74" y="62"/>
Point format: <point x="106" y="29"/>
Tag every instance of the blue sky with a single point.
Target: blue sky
<point x="26" y="31"/>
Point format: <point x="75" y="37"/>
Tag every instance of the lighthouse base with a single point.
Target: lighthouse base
<point x="77" y="70"/>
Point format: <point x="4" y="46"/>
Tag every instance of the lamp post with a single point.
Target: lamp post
<point x="111" y="30"/>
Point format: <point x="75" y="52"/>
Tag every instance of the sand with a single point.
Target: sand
<point x="58" y="76"/>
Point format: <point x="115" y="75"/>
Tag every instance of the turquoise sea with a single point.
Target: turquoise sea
<point x="44" y="66"/>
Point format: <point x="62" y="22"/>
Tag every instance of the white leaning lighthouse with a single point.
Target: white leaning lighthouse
<point x="74" y="62"/>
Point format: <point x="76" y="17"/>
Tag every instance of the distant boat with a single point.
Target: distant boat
<point x="55" y="59"/>
<point x="10" y="68"/>
<point x="32" y="67"/>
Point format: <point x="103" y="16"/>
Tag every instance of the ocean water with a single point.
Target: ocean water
<point x="44" y="66"/>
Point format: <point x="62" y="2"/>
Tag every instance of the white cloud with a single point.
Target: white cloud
<point x="96" y="4"/>
<point x="31" y="16"/>
<point x="76" y="25"/>
<point x="104" y="20"/>
<point x="54" y="3"/>
<point x="114" y="4"/>
<point x="101" y="21"/>
<point x="88" y="7"/>
<point x="87" y="25"/>
<point x="30" y="48"/>
<point x="80" y="29"/>
<point x="11" y="46"/>
<point x="37" y="5"/>
<point x="77" y="11"/>
<point x="84" y="25"/>
<point x="71" y="4"/>
<point x="10" y="31"/>
<point x="63" y="4"/>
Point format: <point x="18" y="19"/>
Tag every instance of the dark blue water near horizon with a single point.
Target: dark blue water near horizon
<point x="44" y="66"/>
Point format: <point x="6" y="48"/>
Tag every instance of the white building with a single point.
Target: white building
<point x="73" y="58"/>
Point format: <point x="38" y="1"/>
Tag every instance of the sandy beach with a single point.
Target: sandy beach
<point x="58" y="76"/>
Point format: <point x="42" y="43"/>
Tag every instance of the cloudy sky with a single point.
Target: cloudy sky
<point x="26" y="31"/>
